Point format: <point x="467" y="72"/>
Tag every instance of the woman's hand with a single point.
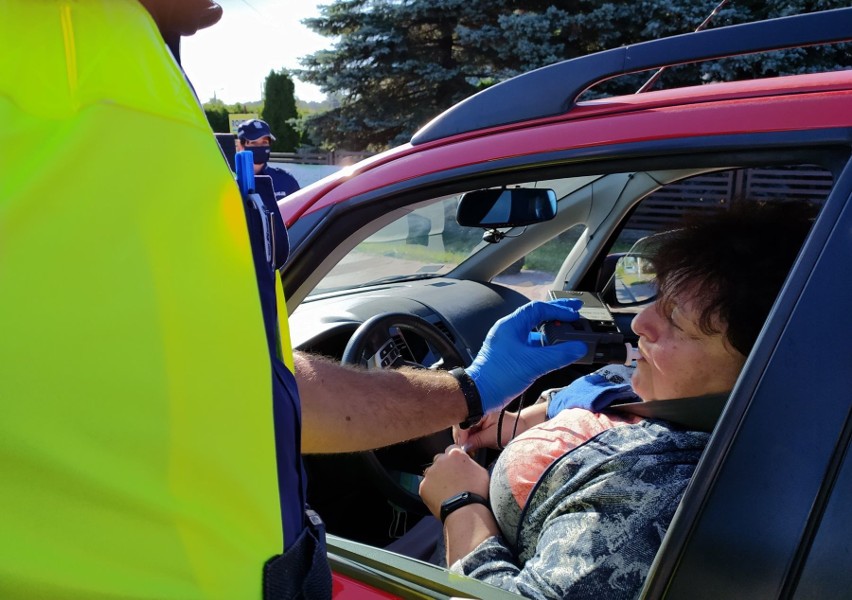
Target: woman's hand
<point x="484" y="433"/>
<point x="451" y="473"/>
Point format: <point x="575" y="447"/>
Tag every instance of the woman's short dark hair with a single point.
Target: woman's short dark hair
<point x="733" y="263"/>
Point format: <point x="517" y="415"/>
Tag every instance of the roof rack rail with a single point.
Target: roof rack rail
<point x="557" y="86"/>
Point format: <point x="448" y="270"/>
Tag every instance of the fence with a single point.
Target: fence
<point x="718" y="190"/>
<point x="341" y="158"/>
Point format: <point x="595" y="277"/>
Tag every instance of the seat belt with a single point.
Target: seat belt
<point x="698" y="413"/>
<point x="302" y="571"/>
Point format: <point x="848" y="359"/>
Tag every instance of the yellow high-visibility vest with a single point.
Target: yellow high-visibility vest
<point x="137" y="451"/>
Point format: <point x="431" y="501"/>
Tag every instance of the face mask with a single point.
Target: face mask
<point x="260" y="154"/>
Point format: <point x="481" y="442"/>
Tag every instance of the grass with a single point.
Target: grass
<point x="413" y="252"/>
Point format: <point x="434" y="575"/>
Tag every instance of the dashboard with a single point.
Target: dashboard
<point x="463" y="310"/>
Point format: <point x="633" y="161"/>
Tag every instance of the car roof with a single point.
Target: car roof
<point x="508" y="120"/>
<point x="793" y="103"/>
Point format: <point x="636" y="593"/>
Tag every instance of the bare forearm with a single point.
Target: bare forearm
<point x="466" y="528"/>
<point x="532" y="416"/>
<point x="346" y="409"/>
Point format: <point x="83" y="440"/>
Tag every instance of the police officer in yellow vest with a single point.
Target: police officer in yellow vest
<point x="137" y="448"/>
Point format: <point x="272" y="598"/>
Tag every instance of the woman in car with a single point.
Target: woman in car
<point x="578" y="504"/>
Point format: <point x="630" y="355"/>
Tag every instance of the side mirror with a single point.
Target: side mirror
<point x="635" y="278"/>
<point x="506" y="207"/>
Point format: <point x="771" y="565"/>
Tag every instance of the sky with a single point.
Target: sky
<point x="231" y="59"/>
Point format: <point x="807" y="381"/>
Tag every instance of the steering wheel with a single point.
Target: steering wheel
<point x="375" y="344"/>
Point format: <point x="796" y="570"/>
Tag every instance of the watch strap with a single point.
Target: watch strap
<point x="450" y="505"/>
<point x="471" y="397"/>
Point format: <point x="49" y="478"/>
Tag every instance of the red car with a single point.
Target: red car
<point x="762" y="517"/>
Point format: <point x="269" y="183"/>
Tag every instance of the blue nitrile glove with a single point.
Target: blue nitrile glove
<point x="594" y="391"/>
<point x="509" y="362"/>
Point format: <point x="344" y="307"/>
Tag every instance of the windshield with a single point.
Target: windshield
<point x="426" y="242"/>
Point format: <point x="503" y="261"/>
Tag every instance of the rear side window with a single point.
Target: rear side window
<point x="662" y="210"/>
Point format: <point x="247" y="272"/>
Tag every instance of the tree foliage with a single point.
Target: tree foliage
<point x="279" y="110"/>
<point x="217" y="115"/>
<point x="396" y="64"/>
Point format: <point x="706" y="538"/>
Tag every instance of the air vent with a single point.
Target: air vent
<point x="442" y="327"/>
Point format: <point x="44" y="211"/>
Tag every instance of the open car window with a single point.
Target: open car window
<point x="629" y="275"/>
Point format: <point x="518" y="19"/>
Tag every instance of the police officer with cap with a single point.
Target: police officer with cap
<point x="255" y="136"/>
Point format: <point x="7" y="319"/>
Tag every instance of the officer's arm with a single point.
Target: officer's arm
<point x="346" y="409"/>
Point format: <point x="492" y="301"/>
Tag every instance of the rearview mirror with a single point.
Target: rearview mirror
<point x="506" y="207"/>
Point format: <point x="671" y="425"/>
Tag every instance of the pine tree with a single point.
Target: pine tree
<point x="279" y="110"/>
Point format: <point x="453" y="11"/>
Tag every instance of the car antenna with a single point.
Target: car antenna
<point x="649" y="84"/>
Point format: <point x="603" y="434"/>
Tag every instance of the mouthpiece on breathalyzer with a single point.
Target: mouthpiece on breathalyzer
<point x="633" y="354"/>
<point x="615" y="354"/>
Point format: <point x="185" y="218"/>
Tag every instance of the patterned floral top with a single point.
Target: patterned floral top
<point x="583" y="502"/>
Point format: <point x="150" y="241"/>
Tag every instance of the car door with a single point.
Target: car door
<point x="761" y="518"/>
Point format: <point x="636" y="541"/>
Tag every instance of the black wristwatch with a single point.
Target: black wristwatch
<point x="471" y="396"/>
<point x="456" y="502"/>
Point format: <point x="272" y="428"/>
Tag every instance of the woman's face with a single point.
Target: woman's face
<point x="678" y="359"/>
